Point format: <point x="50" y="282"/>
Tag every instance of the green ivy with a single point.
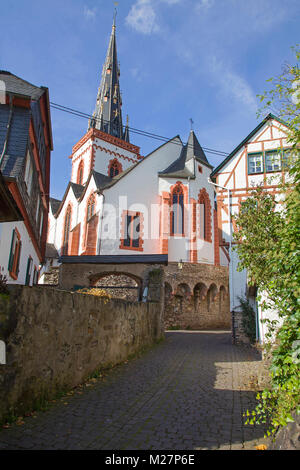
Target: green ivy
<point x="268" y="247"/>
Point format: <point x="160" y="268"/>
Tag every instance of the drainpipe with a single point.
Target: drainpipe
<point x="99" y="235"/>
<point x="230" y="245"/>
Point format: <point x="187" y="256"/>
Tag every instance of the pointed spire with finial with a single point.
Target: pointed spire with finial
<point x="108" y="113"/>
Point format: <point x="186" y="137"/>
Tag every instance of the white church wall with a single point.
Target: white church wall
<point x="139" y="190"/>
<point x="60" y="220"/>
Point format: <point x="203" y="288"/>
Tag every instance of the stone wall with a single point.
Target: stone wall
<point x="55" y="339"/>
<point x="196" y="296"/>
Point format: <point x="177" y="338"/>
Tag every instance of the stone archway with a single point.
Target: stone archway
<point x="212" y="294"/>
<point x="200" y="292"/>
<point x="119" y="285"/>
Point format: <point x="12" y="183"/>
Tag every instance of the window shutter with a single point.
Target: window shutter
<point x="19" y="256"/>
<point x="27" y="279"/>
<point x="11" y="254"/>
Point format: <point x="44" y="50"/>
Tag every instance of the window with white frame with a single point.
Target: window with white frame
<point x="255" y="163"/>
<point x="273" y="161"/>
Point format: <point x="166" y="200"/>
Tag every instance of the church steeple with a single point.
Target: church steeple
<point x="108" y="111"/>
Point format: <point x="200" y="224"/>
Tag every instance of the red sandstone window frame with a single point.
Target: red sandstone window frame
<point x="177" y="222"/>
<point x="67" y="229"/>
<point x="130" y="220"/>
<point x="114" y="168"/>
<point x="203" y="198"/>
<point x="80" y="172"/>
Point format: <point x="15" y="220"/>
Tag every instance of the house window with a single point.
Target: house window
<point x="255" y="163"/>
<point x="80" y="173"/>
<point x="114" y="168"/>
<point x="177" y="212"/>
<point x="28" y="271"/>
<point x="67" y="226"/>
<point x="41" y="223"/>
<point x="28" y="173"/>
<point x="288" y="158"/>
<point x="272" y="161"/>
<point x="131" y="231"/>
<point x="14" y="256"/>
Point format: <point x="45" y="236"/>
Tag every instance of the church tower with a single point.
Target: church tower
<point x="106" y="147"/>
<point x="107" y="116"/>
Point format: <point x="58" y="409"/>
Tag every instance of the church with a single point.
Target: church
<point x="120" y="202"/>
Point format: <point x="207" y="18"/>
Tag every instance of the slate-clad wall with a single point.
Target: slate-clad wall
<point x="56" y="339"/>
<point x="15" y="154"/>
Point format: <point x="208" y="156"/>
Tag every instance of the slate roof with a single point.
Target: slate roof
<point x="101" y="180"/>
<point x="77" y="189"/>
<point x="191" y="149"/>
<point x="19" y="86"/>
<point x="51" y="251"/>
<point x="115" y="259"/>
<point x="54" y="203"/>
<point x="16" y="147"/>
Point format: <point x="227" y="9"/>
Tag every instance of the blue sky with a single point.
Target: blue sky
<point x="180" y="59"/>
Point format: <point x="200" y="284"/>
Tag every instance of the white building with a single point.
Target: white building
<point x="119" y="202"/>
<point x="260" y="159"/>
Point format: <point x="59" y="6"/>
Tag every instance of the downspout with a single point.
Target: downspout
<point x="99" y="234"/>
<point x="7" y="128"/>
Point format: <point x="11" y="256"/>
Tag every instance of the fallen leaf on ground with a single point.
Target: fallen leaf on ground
<point x="261" y="447"/>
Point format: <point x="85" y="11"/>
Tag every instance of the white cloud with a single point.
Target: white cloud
<point x="171" y="2"/>
<point x="89" y="13"/>
<point x="233" y="86"/>
<point x="142" y="17"/>
<point x="203" y="5"/>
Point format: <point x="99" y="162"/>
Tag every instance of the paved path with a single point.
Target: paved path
<point x="188" y="392"/>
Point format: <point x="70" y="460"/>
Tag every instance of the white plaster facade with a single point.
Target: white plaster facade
<point x="234" y="175"/>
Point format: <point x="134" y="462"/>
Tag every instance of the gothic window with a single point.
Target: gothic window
<point x="114" y="168"/>
<point x="204" y="216"/>
<point x="80" y="173"/>
<point x="131" y="231"/>
<point x="67" y="226"/>
<point x="177" y="210"/>
<point x="90" y="208"/>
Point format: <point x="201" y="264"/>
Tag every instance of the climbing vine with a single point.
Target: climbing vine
<point x="268" y="247"/>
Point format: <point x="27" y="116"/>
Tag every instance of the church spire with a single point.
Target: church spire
<point x="108" y="113"/>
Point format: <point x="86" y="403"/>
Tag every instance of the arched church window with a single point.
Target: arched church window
<point x="80" y="173"/>
<point x="205" y="215"/>
<point x="114" y="168"/>
<point x="177" y="210"/>
<point x="90" y="207"/>
<point x="67" y="226"/>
